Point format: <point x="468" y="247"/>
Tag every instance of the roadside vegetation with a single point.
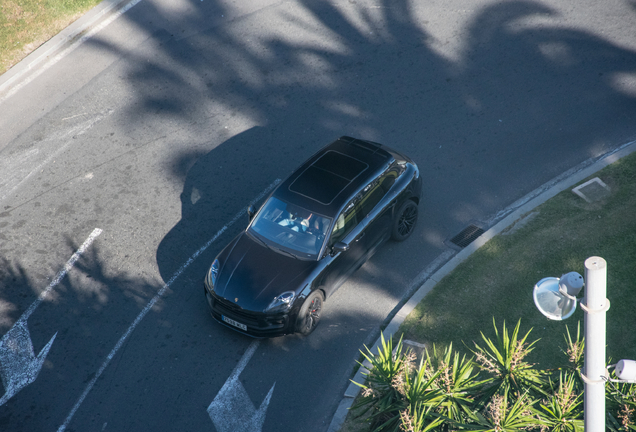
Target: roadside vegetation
<point x="495" y="389"/>
<point x="494" y="362"/>
<point x="27" y="24"/>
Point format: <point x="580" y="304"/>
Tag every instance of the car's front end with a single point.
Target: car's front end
<point x="254" y="290"/>
<point x="252" y="323"/>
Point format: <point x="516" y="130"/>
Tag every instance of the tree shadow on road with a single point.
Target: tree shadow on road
<point x="519" y="99"/>
<point x="520" y="96"/>
<point x="511" y="100"/>
<point x="82" y="317"/>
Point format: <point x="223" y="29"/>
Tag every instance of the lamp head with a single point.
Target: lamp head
<point x="571" y="283"/>
<point x="626" y="370"/>
<point x="551" y="302"/>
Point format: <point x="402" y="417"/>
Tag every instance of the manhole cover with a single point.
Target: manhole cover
<point x="467" y="236"/>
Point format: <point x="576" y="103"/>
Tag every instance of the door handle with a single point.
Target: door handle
<point x="360" y="236"/>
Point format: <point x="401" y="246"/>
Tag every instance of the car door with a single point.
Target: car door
<point x="341" y="264"/>
<point x="374" y="230"/>
<point x="376" y="223"/>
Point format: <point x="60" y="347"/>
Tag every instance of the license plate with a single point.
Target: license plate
<point x="234" y="323"/>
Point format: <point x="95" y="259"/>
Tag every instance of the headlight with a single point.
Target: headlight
<point x="210" y="279"/>
<point x="282" y="303"/>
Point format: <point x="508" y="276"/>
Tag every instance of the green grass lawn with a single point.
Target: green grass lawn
<point x="497" y="280"/>
<point x="27" y="24"/>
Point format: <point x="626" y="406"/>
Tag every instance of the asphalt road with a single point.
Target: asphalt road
<point x="163" y="127"/>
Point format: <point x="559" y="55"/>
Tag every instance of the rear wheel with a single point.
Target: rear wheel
<point x="309" y="314"/>
<point x="405" y="220"/>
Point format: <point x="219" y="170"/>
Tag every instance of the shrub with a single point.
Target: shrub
<point x="497" y="390"/>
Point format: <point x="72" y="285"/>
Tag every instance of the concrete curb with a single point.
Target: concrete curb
<point x="67" y="37"/>
<point x="514" y="213"/>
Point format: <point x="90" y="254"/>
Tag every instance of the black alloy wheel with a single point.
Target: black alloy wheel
<point x="405" y="220"/>
<point x="309" y="314"/>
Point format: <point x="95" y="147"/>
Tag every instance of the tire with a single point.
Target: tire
<point x="405" y="220"/>
<point x="309" y="313"/>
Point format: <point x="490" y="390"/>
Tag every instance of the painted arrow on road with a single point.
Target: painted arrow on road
<point x="232" y="410"/>
<point x="19" y="366"/>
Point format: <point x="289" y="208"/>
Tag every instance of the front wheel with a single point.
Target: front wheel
<point x="405" y="219"/>
<point x="309" y="314"/>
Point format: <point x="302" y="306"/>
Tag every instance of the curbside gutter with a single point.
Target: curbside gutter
<point x="502" y="220"/>
<point x="61" y="44"/>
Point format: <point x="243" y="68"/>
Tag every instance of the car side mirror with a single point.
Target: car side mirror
<point x="251" y="211"/>
<point x="339" y="247"/>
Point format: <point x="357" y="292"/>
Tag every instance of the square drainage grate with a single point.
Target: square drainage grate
<point x="467" y="236"/>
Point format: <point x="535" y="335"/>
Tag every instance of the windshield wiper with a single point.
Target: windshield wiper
<point x="284" y="252"/>
<point x="261" y="241"/>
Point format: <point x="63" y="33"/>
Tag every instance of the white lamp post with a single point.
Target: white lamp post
<point x="596" y="304"/>
<point x="555" y="298"/>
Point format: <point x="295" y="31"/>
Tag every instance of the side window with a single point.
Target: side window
<point x="344" y="224"/>
<point x="374" y="192"/>
<point x="362" y="205"/>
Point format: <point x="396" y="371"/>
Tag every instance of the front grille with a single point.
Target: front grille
<point x="257" y="323"/>
<point x="224" y="307"/>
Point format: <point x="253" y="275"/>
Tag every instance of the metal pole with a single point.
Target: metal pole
<point x="595" y="307"/>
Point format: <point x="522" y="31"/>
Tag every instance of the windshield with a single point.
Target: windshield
<point x="294" y="228"/>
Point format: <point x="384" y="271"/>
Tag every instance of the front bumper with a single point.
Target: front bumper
<point x="259" y="325"/>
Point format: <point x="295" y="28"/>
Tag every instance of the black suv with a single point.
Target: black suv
<point x="316" y="228"/>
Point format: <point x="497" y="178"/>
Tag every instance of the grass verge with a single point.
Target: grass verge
<point x="498" y="279"/>
<point x="27" y="24"/>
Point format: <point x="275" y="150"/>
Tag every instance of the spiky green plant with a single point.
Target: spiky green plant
<point x="446" y="392"/>
<point x="457" y="381"/>
<point x="416" y="395"/>
<point x="562" y="410"/>
<point x="503" y="415"/>
<point x="378" y="393"/>
<point x="575" y="348"/>
<point x="504" y="360"/>
<point x="419" y="417"/>
<point x="621" y="406"/>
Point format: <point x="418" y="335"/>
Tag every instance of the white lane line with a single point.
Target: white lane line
<point x="244" y="360"/>
<point x="152" y="302"/>
<point x="67" y="51"/>
<point x="67" y="267"/>
<point x="19" y="365"/>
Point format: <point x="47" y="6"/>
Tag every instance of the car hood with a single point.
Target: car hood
<point x="251" y="275"/>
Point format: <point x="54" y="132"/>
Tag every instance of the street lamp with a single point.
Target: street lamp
<point x="556" y="299"/>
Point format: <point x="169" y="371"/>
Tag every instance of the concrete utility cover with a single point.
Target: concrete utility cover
<point x="592" y="190"/>
<point x="418" y="348"/>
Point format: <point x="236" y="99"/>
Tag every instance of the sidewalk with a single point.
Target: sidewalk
<point x="505" y="219"/>
<point x="61" y="44"/>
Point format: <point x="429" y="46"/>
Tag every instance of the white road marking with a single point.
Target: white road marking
<point x="19" y="366"/>
<point x="152" y="302"/>
<point x="232" y="410"/>
<point x="14" y="168"/>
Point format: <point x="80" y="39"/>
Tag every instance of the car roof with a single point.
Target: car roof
<point x="328" y="179"/>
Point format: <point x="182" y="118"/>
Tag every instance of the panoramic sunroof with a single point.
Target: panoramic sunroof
<point x="327" y="177"/>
